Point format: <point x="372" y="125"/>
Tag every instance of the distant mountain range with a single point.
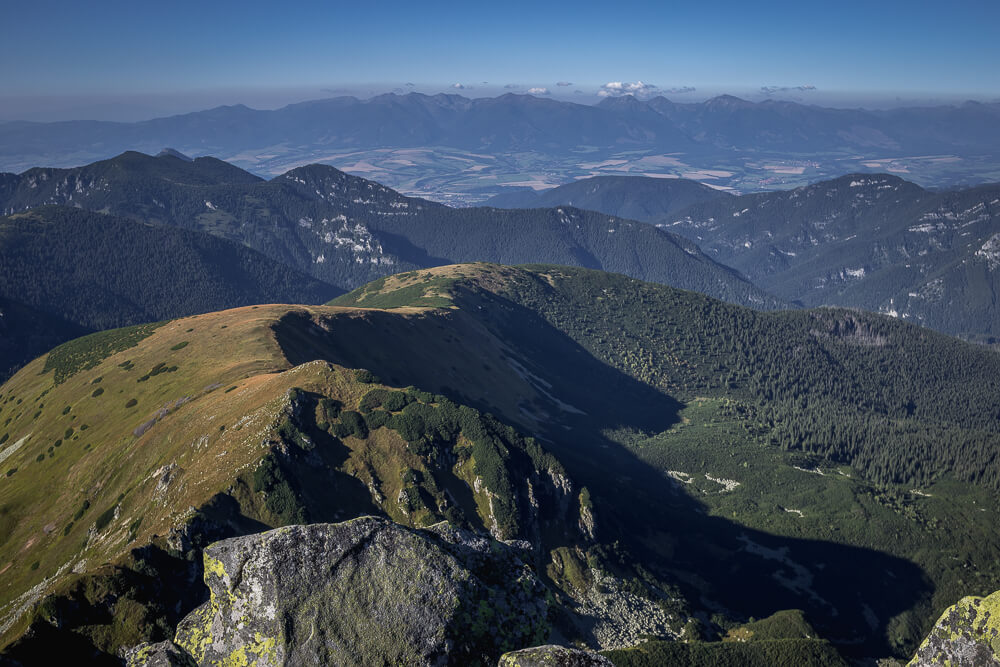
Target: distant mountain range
<point x="346" y="230"/>
<point x="868" y="241"/>
<point x="724" y="133"/>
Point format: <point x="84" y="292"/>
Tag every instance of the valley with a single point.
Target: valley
<point x="754" y="511"/>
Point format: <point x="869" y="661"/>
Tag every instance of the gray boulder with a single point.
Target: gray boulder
<point x="364" y="592"/>
<point x="162" y="654"/>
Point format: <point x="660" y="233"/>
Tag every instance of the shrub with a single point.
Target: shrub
<point x="377" y="419"/>
<point x="365" y="376"/>
<point x="393" y="401"/>
<point x="131" y="403"/>
<point x="330" y="409"/>
<point x="351" y="423"/>
<point x="83" y="508"/>
<point x="280" y="498"/>
<point x="180" y="346"/>
<point x="105" y="518"/>
<point x="97" y="392"/>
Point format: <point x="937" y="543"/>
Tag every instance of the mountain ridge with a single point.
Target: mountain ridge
<point x="705" y="133"/>
<point x="347" y="231"/>
<point x="598" y="424"/>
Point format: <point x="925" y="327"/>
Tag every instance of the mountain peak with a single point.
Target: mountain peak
<point x="728" y="102"/>
<point x="172" y="152"/>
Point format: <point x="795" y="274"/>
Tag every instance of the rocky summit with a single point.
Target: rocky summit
<point x="362" y="592"/>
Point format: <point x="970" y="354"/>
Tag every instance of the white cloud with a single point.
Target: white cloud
<point x="618" y="88"/>
<point x="512" y="86"/>
<point x="680" y="90"/>
<point x="538" y="91"/>
<point x="563" y="84"/>
<point x="458" y="86"/>
<point x="771" y="90"/>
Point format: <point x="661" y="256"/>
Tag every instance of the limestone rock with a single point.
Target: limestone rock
<point x="366" y="591"/>
<point x="968" y="634"/>
<point x="553" y="656"/>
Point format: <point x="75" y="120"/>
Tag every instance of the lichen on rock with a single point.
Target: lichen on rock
<point x="967" y="633"/>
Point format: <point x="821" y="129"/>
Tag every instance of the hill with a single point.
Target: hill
<point x="667" y="456"/>
<point x="640" y="198"/>
<point x="874" y="242"/>
<point x="74" y="271"/>
<point x="347" y="231"/>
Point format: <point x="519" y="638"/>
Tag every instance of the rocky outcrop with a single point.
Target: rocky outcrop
<point x="366" y="591"/>
<point x="968" y="633"/>
<point x="162" y="654"/>
<point x="553" y="656"/>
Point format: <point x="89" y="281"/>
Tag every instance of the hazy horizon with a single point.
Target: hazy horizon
<point x="139" y="107"/>
<point x="123" y="61"/>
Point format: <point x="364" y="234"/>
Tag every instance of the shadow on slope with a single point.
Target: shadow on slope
<point x="552" y="387"/>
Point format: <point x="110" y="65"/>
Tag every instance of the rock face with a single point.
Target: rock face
<point x="163" y="654"/>
<point x="968" y="633"/>
<point x="553" y="656"/>
<point x="363" y="592"/>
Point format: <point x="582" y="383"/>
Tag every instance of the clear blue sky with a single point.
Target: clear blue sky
<point x="112" y="47"/>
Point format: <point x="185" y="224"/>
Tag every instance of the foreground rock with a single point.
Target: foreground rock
<point x="362" y="592"/>
<point x="968" y="633"/>
<point x="553" y="656"/>
<point x="162" y="654"/>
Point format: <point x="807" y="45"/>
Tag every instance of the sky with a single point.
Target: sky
<point x="59" y="58"/>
